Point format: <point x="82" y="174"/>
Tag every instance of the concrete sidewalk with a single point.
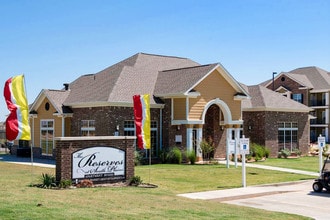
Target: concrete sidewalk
<point x="255" y="165"/>
<point x="247" y="192"/>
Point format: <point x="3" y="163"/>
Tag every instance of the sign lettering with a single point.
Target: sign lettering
<point x="98" y="162"/>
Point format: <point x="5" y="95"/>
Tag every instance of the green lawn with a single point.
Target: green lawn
<point x="300" y="163"/>
<point x="19" y="201"/>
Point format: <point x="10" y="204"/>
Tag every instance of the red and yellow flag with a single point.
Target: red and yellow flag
<point x="142" y="120"/>
<point x="17" y="123"/>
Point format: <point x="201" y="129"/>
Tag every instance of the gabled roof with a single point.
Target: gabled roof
<point x="318" y="78"/>
<point x="118" y="83"/>
<point x="313" y="78"/>
<point x="300" y="79"/>
<point x="55" y="97"/>
<point x="263" y="99"/>
<point x="181" y="82"/>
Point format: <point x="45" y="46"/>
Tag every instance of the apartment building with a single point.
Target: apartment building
<point x="309" y="86"/>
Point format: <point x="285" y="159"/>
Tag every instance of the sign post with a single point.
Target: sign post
<point x="231" y="149"/>
<point x="245" y="149"/>
<point x="321" y="144"/>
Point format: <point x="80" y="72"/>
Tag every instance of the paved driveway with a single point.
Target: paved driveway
<point x="296" y="198"/>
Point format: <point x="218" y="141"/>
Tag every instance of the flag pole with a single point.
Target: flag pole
<point x="31" y="147"/>
<point x="31" y="164"/>
<point x="149" y="163"/>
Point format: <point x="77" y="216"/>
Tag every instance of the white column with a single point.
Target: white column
<point x="189" y="139"/>
<point x="199" y="139"/>
<point x="237" y="137"/>
<point x="229" y="133"/>
<point x="228" y="138"/>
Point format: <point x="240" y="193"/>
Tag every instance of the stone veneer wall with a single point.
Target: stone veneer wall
<point x="66" y="146"/>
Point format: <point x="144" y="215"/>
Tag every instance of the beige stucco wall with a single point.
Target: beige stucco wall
<point x="179" y="109"/>
<point x="212" y="87"/>
<point x="45" y="115"/>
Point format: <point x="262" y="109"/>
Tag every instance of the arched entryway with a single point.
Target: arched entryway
<point x="218" y="126"/>
<point x="213" y="130"/>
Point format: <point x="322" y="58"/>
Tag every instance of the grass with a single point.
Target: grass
<point x="300" y="163"/>
<point x="19" y="201"/>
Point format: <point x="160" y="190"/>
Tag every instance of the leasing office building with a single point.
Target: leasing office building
<point x="190" y="102"/>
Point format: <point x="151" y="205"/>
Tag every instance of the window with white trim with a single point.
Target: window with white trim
<point x="288" y="135"/>
<point x="129" y="130"/>
<point x="47" y="136"/>
<point x="298" y="97"/>
<point x="87" y="128"/>
<point x="153" y="138"/>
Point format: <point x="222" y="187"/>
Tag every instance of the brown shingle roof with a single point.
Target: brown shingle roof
<point x="263" y="99"/>
<point x="56" y="97"/>
<point x="118" y="83"/>
<point x="318" y="78"/>
<point x="179" y="81"/>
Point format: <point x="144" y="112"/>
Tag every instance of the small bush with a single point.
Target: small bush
<point x="174" y="156"/>
<point x="325" y="151"/>
<point x="48" y="181"/>
<point x="191" y="155"/>
<point x="138" y="158"/>
<point x="207" y="148"/>
<point x="163" y="155"/>
<point x="284" y="153"/>
<point x="85" y="184"/>
<point x="135" y="181"/>
<point x="267" y="152"/>
<point x="258" y="151"/>
<point x="65" y="184"/>
<point x="296" y="151"/>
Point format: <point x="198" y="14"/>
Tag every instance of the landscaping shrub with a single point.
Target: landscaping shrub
<point x="284" y="153"/>
<point x="48" y="181"/>
<point x="174" y="156"/>
<point x="191" y="156"/>
<point x="207" y="148"/>
<point x="138" y="158"/>
<point x="296" y="151"/>
<point x="135" y="181"/>
<point x="65" y="184"/>
<point x="325" y="151"/>
<point x="163" y="155"/>
<point x="258" y="152"/>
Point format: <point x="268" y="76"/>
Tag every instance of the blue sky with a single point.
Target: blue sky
<point x="53" y="42"/>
